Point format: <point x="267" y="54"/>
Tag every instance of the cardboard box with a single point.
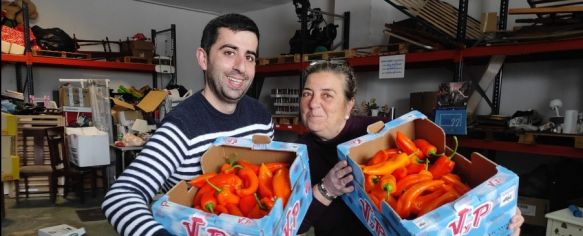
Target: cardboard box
<point x="533" y="210"/>
<point x="488" y="22"/>
<point x="175" y="213"/>
<point x="8" y="124"/>
<point x="61" y="230"/>
<point x="138" y="48"/>
<point x="10" y="168"/>
<point x="152" y="100"/>
<point x="74" y="96"/>
<point x="562" y="222"/>
<point x="425" y="102"/>
<point x="484" y="210"/>
<point x="88" y="146"/>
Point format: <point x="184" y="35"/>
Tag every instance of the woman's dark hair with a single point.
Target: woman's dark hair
<point x="232" y="21"/>
<point x="338" y="67"/>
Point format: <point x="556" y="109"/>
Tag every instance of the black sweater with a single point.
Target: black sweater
<point x="337" y="218"/>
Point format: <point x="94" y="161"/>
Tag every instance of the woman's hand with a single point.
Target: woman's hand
<point x="338" y="179"/>
<point x="516" y="222"/>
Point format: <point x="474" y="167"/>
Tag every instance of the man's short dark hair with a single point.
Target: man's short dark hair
<point x="232" y="21"/>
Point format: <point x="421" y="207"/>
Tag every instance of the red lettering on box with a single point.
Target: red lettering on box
<point x="291" y="219"/>
<point x="462" y="224"/>
<point x="193" y="226"/>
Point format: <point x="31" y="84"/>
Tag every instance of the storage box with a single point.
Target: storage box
<point x="484" y="210"/>
<point x="138" y="48"/>
<point x="8" y="124"/>
<point x="74" y="96"/>
<point x="10" y="168"/>
<point x="88" y="146"/>
<point x="425" y="102"/>
<point x="562" y="222"/>
<point x="174" y="209"/>
<point x="61" y="230"/>
<point x="533" y="210"/>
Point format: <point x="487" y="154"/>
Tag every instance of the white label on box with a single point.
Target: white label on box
<point x="507" y="196"/>
<point x="527" y="209"/>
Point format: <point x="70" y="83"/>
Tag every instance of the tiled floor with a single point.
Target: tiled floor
<point x="35" y="213"/>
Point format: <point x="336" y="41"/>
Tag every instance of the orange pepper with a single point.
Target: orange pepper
<point x="404" y="203"/>
<point x="208" y="202"/>
<point x="200" y="193"/>
<point x="282" y="185"/>
<point x="268" y="203"/>
<point x="388" y="183"/>
<point x="443" y="199"/>
<point x="405" y="143"/>
<point x="229" y="168"/>
<point x="200" y="180"/>
<point x="225" y="195"/>
<point x="220" y="209"/>
<point x="257" y="213"/>
<point x="247" y="164"/>
<point x="273" y="166"/>
<point x="370" y="182"/>
<point x="444" y="164"/>
<point x="220" y="180"/>
<point x="375" y="200"/>
<point x="417" y="165"/>
<point x="400" y="173"/>
<point x="427" y="149"/>
<point x="234" y="210"/>
<point x="410" y="180"/>
<point x="247" y="203"/>
<point x="388" y="166"/>
<point x="423" y="200"/>
<point x="265" y="182"/>
<point x="382" y="155"/>
<point x="454" y="180"/>
<point x="250" y="182"/>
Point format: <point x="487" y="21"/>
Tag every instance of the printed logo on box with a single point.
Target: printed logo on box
<point x="291" y="219"/>
<point x="372" y="221"/>
<point x="468" y="218"/>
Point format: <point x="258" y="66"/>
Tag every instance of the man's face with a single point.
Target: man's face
<point x="230" y="64"/>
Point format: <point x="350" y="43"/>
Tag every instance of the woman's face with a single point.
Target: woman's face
<point x="323" y="105"/>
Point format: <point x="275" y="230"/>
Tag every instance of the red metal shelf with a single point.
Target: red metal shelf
<point x="506" y="146"/>
<point x="31" y="60"/>
<point x="372" y="62"/>
<point x="299" y="129"/>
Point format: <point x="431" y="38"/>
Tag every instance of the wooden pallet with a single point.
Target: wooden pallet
<point x="390" y="49"/>
<point x="543" y="138"/>
<point x="282" y="59"/>
<point x="61" y="54"/>
<point x="140" y="60"/>
<point x="330" y="55"/>
<point x="505" y="134"/>
<point x="285" y="120"/>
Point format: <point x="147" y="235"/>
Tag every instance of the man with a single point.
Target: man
<point x="227" y="56"/>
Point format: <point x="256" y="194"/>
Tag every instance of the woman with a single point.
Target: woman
<point x="325" y="105"/>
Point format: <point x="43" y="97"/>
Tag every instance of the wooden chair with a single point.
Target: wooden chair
<point x="74" y="176"/>
<point x="38" y="166"/>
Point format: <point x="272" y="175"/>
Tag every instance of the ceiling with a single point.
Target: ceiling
<point x="219" y="6"/>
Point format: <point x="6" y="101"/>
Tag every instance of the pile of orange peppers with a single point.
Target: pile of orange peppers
<point x="242" y="188"/>
<point x="412" y="178"/>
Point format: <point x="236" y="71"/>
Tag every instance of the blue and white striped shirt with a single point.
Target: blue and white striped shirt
<point x="173" y="154"/>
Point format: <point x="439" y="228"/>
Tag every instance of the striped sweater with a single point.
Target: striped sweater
<point x="173" y="154"/>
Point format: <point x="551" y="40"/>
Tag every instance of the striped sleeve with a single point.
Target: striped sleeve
<point x="167" y="158"/>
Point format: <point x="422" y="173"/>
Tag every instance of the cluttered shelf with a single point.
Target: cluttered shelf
<point x="509" y="140"/>
<point x="371" y="62"/>
<point x="81" y="63"/>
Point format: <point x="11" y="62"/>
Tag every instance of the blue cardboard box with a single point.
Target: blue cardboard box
<point x="484" y="210"/>
<point x="174" y="209"/>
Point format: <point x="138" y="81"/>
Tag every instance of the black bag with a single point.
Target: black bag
<point x="54" y="39"/>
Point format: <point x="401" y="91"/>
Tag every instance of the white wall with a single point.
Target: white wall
<point x="528" y="85"/>
<point x="115" y="19"/>
<point x="525" y="85"/>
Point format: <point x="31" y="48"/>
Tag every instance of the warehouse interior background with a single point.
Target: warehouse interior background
<point x="526" y="85"/>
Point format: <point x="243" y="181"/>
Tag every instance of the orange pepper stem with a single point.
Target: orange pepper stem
<point x="214" y="186"/>
<point x="455" y="148"/>
<point x="259" y="203"/>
